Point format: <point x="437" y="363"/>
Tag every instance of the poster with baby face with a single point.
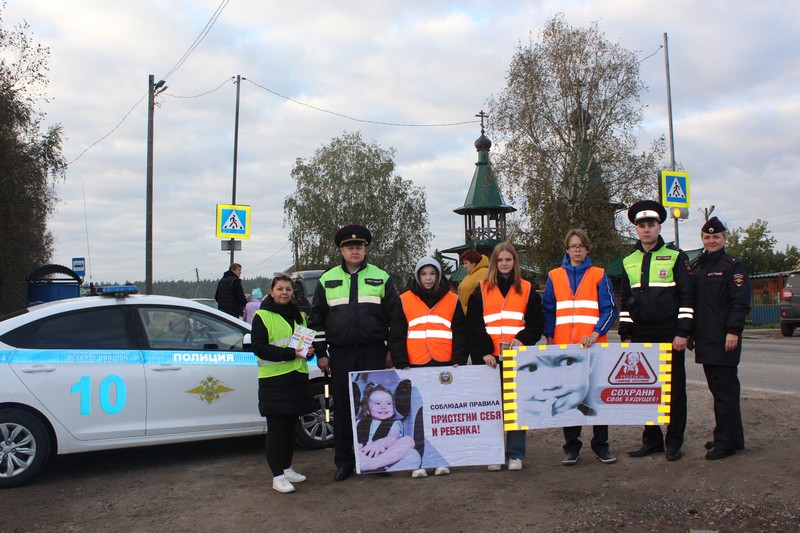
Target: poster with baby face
<point x="566" y="385"/>
<point x="428" y="417"/>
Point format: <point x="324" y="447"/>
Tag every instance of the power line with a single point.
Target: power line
<point x="104" y="137"/>
<point x="198" y="40"/>
<point x="201" y="94"/>
<point x="179" y="64"/>
<point x="358" y="119"/>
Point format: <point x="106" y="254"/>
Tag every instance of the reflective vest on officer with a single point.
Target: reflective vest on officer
<point x="660" y="275"/>
<point x="576" y="314"/>
<point x="280" y="333"/>
<point x="368" y="292"/>
<point x="430" y="329"/>
<point x="660" y="278"/>
<point x="504" y="316"/>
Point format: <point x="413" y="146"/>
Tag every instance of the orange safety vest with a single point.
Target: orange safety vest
<point x="576" y="314"/>
<point x="430" y="330"/>
<point x="504" y="316"/>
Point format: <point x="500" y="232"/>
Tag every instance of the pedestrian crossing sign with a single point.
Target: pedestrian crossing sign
<point x="233" y="221"/>
<point x="674" y="189"/>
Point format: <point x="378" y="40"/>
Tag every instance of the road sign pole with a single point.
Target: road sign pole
<point x="669" y="108"/>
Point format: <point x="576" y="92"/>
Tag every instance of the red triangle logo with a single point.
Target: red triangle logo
<point x="632" y="368"/>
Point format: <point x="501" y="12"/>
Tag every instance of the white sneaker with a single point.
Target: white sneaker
<point x="495" y="468"/>
<point x="294" y="477"/>
<point x="515" y="464"/>
<point x="419" y="472"/>
<point x="441" y="471"/>
<point x="281" y="484"/>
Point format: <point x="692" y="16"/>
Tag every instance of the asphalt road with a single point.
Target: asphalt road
<point x="770" y="362"/>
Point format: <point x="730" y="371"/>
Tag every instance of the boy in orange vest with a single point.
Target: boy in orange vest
<point x="579" y="308"/>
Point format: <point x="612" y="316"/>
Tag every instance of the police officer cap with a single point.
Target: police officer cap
<point x="647" y="210"/>
<point x="714" y="225"/>
<point x="352" y="234"/>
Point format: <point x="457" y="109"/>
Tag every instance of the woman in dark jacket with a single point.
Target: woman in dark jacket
<point x="283" y="390"/>
<point x="721" y="303"/>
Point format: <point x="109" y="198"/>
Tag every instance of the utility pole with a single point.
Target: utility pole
<point x="152" y="90"/>
<point x="235" y="150"/>
<point x="671" y="135"/>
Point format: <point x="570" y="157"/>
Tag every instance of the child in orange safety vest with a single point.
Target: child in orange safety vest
<point x="579" y="308"/>
<point x="436" y="326"/>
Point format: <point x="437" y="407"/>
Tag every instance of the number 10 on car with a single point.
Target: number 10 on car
<point x="83" y="388"/>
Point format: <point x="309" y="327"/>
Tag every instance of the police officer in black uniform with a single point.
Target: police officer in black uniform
<point x="721" y="303"/>
<point x="356" y="312"/>
<point x="656" y="306"/>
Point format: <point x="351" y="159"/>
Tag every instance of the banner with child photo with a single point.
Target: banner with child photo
<point x="428" y="417"/>
<point x="552" y="386"/>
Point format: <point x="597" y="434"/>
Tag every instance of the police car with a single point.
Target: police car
<point x="123" y="370"/>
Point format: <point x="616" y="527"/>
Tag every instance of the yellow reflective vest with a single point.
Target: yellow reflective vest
<point x="280" y="333"/>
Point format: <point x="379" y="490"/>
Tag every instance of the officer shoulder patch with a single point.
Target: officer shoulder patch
<point x="373" y="281"/>
<point x="738" y="279"/>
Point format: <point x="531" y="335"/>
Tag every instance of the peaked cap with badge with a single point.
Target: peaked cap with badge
<point x="647" y="210"/>
<point x="713" y="225"/>
<point x="353" y="234"/>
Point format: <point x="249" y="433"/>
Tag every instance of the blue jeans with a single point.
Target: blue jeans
<point x="515" y="444"/>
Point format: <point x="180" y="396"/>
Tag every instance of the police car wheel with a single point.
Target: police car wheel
<point x="787" y="330"/>
<point x="24" y="447"/>
<point x="312" y="431"/>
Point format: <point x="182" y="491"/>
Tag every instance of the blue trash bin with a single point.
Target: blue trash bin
<point x="52" y="282"/>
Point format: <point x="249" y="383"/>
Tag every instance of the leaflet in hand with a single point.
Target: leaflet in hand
<point x="302" y="338"/>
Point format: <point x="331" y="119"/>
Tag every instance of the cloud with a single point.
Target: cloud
<point x="734" y="73"/>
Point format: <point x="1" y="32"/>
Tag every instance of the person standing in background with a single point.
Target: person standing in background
<point x="230" y="295"/>
<point x="252" y="306"/>
<point x="477" y="266"/>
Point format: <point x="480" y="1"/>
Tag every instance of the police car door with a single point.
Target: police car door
<point x="199" y="376"/>
<point x="84" y="368"/>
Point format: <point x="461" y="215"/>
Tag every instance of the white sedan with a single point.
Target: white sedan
<point x="126" y="370"/>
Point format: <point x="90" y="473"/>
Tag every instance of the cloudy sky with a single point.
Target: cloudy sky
<point x="734" y="66"/>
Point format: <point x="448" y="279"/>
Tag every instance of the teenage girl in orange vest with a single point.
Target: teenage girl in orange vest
<point x="504" y="310"/>
<point x="579" y="308"/>
<point x="436" y="328"/>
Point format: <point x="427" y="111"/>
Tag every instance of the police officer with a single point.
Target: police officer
<point x="721" y="302"/>
<point x="656" y="306"/>
<point x="356" y="311"/>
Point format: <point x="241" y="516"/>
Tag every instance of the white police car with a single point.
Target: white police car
<point x="124" y="370"/>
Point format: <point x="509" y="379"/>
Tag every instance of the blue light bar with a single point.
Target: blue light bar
<point x="116" y="290"/>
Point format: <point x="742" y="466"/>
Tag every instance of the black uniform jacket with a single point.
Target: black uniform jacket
<point x="359" y="324"/>
<point x="721" y="304"/>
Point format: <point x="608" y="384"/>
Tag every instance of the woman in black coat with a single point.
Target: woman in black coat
<point x="721" y="304"/>
<point x="283" y="390"/>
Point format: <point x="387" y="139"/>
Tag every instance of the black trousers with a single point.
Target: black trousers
<point x="572" y="436"/>
<point x="652" y="435"/>
<point x="280" y="442"/>
<point x="723" y="382"/>
<point x="343" y="360"/>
